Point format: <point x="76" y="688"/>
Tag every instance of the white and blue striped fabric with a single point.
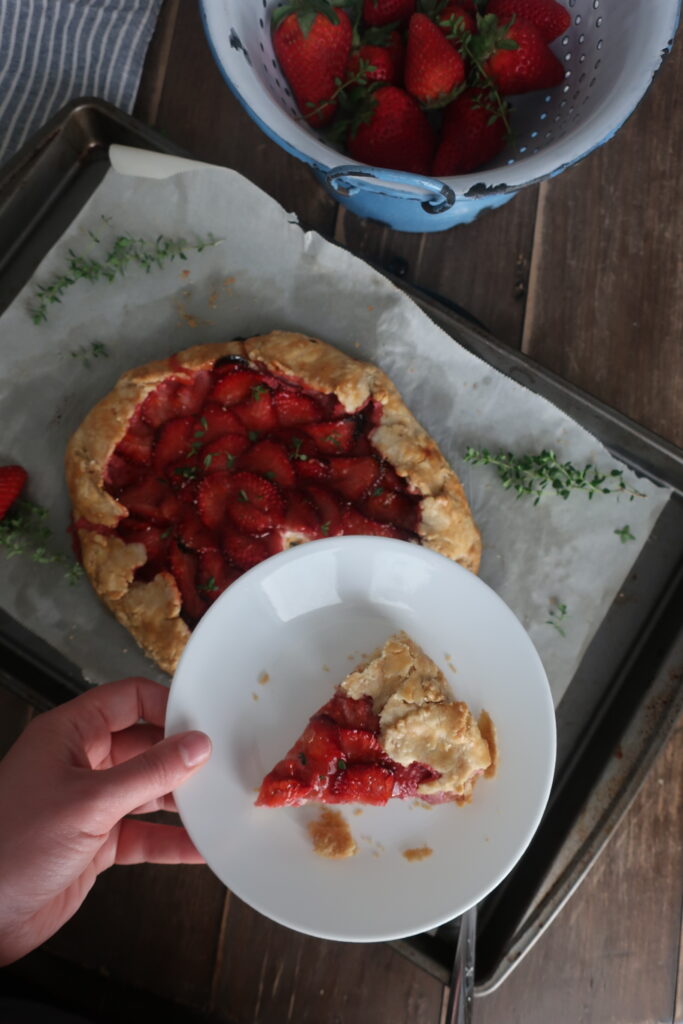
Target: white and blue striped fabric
<point x="52" y="51"/>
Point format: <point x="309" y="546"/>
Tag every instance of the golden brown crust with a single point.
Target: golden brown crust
<point x="446" y="522"/>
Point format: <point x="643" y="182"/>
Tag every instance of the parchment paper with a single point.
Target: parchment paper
<point x="268" y="273"/>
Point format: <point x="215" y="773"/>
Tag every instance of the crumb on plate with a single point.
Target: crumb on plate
<point x="331" y="835"/>
<point x="418" y="853"/>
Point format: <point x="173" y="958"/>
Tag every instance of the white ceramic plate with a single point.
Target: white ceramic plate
<point x="304" y="618"/>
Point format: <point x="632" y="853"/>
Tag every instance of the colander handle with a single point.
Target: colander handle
<point x="441" y="196"/>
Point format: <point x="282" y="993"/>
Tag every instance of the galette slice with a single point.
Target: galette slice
<point x="391" y="730"/>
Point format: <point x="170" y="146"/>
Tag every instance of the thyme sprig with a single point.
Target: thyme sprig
<point x="557" y="614"/>
<point x="24" y="531"/>
<point x="532" y="475"/>
<point x="96" y="350"/>
<point x="126" y="250"/>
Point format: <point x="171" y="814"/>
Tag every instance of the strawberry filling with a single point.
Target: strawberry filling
<point x="221" y="468"/>
<point x="339" y="759"/>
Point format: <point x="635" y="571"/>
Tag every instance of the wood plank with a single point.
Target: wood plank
<point x="482" y="267"/>
<point x="272" y="975"/>
<point x="156" y="64"/>
<point x="151" y="927"/>
<point x="606" y="298"/>
<point x="198" y="111"/>
<point x="612" y="954"/>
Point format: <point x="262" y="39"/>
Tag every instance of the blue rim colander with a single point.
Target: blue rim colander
<point x="611" y="51"/>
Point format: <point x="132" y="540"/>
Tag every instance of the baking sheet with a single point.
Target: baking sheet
<point x="267" y="273"/>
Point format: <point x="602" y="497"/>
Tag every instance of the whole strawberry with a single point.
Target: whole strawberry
<point x="456" y="15"/>
<point x="519" y="59"/>
<point x="382" y="12"/>
<point x="383" y="49"/>
<point x="550" y="18"/>
<point x="472" y="133"/>
<point x="376" y="63"/>
<point x="313" y="50"/>
<point x="396" y="135"/>
<point x="12" y="480"/>
<point x="434" y="68"/>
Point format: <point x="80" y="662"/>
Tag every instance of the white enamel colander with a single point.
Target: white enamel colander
<point x="610" y="52"/>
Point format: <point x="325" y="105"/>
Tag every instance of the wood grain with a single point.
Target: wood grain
<point x="467" y="265"/>
<point x="605" y="304"/>
<point x="612" y="954"/>
<point x="151" y="927"/>
<point x="287" y="978"/>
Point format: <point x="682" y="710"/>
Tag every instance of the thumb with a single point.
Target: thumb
<point x="155" y="772"/>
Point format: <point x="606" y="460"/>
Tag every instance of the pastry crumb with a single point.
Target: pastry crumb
<point x="213" y="300"/>
<point x="488" y="731"/>
<point x="326" y="668"/>
<point x="418" y="853"/>
<point x="264" y="678"/>
<point x="370" y="309"/>
<point x="358" y="810"/>
<point x="185" y="273"/>
<point x="228" y="282"/>
<point x="254" y="696"/>
<point x="331" y="835"/>
<point x="423" y="804"/>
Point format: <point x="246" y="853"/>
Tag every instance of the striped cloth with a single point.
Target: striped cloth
<point x="54" y="50"/>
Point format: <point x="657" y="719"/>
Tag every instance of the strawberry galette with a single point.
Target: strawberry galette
<point x="390" y="730"/>
<point x="197" y="467"/>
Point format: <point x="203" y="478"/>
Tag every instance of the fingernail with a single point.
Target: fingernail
<point x="195" y="748"/>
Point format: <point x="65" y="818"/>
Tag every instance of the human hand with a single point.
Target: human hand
<point x="66" y="787"/>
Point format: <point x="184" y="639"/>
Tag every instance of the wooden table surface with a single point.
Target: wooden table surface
<point x="585" y="274"/>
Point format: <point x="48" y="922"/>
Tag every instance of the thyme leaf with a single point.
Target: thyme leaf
<point x="532" y="475"/>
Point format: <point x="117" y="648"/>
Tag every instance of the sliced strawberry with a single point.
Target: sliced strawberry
<point x="310" y="469"/>
<point x="399" y="510"/>
<point x="320" y="746"/>
<point x="148" y="499"/>
<point x="389" y="479"/>
<point x="193" y="533"/>
<point x="216" y="421"/>
<point x="293" y="408"/>
<point x="365" y="783"/>
<point x="214" y="575"/>
<point x="350" y="712"/>
<point x="160" y="406"/>
<point x="257" y="413"/>
<point x="353" y="522"/>
<point x="301" y="516"/>
<point x="120" y="473"/>
<point x="171" y="506"/>
<point x="359" y="746"/>
<point x="222" y="454"/>
<point x="183" y="565"/>
<point x="136" y="444"/>
<point x="155" y="539"/>
<point x="177" y="439"/>
<point x="332" y="437"/>
<point x="244" y="551"/>
<point x="283" y="792"/>
<point x="191" y="394"/>
<point x="269" y="459"/>
<point x="353" y="477"/>
<point x="329" y="510"/>
<point x="256" y="505"/>
<point x="212" y="499"/>
<point x="235" y="386"/>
